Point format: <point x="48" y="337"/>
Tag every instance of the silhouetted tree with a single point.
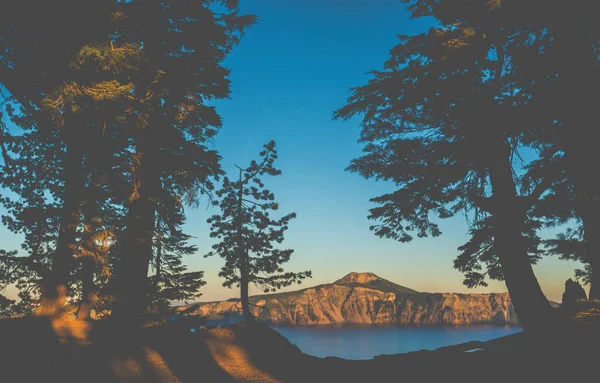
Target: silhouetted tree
<point x="185" y="44"/>
<point x="59" y="81"/>
<point x="443" y="122"/>
<point x="153" y="119"/>
<point x="554" y="62"/>
<point x="27" y="172"/>
<point x="171" y="280"/>
<point x="558" y="209"/>
<point x="567" y="74"/>
<point x="6" y="307"/>
<point x="98" y="102"/>
<point x="100" y="226"/>
<point x="246" y="232"/>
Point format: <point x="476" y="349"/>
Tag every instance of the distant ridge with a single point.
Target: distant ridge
<point x="368" y="299"/>
<point x="372" y="281"/>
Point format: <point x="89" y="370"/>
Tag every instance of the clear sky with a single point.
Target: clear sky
<point x="290" y="72"/>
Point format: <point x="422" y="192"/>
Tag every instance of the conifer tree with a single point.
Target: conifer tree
<point x="98" y="102"/>
<point x="185" y="44"/>
<point x="247" y="233"/>
<point x="171" y="280"/>
<point x="153" y="119"/>
<point x="554" y="61"/>
<point x="443" y="122"/>
<point x="59" y="81"/>
<point x="28" y="174"/>
<point x="567" y="74"/>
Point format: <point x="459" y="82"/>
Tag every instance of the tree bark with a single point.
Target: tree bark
<point x="591" y="228"/>
<point x="158" y="260"/>
<point x="88" y="289"/>
<point x="509" y="214"/>
<point x="54" y="286"/>
<point x="132" y="278"/>
<point x="244" y="284"/>
<point x="243" y="255"/>
<point x="90" y="249"/>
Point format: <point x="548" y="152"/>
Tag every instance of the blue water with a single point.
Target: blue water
<point x="365" y="342"/>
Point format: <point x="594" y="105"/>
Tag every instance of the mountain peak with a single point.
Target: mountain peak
<point x="372" y="281"/>
<point x="354" y="277"/>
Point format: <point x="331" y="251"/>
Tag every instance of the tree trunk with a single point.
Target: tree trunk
<point x="509" y="214"/>
<point x="158" y="260"/>
<point x="244" y="283"/>
<point x="132" y="278"/>
<point x="88" y="289"/>
<point x="591" y="228"/>
<point x="243" y="255"/>
<point x="90" y="249"/>
<point x="55" y="284"/>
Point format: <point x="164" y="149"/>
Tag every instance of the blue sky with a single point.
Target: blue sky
<point x="290" y="72"/>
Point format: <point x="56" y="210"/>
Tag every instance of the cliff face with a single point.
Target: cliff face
<point x="381" y="302"/>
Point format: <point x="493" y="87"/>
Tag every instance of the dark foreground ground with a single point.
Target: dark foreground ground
<point x="40" y="350"/>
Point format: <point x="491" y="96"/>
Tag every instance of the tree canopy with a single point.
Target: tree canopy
<point x="247" y="232"/>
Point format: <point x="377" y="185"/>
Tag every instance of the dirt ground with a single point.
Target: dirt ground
<point x="42" y="350"/>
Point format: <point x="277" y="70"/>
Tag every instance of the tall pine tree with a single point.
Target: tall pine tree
<point x="247" y="233"/>
<point x="185" y="44"/>
<point x="443" y="121"/>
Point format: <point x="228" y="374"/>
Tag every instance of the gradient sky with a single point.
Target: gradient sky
<point x="290" y="72"/>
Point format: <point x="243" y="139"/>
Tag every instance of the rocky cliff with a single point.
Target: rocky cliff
<point x="365" y="298"/>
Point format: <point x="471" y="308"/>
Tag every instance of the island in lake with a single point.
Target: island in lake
<point x="365" y="298"/>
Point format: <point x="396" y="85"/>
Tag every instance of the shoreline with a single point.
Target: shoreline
<point x="394" y="325"/>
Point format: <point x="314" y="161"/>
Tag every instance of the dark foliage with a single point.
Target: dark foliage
<point x="247" y="232"/>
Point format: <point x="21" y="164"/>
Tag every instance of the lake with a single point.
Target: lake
<point x="365" y="342"/>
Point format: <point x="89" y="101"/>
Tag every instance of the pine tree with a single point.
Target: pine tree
<point x="97" y="104"/>
<point x="171" y="280"/>
<point x="247" y="232"/>
<point x="59" y="81"/>
<point x="28" y="175"/>
<point x="152" y="121"/>
<point x="567" y="75"/>
<point x="443" y="122"/>
<point x="556" y="65"/>
<point x="185" y="44"/>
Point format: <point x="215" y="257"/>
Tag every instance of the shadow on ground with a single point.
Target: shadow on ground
<point x="41" y="350"/>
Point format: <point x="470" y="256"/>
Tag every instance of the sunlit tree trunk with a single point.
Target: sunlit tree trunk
<point x="88" y="289"/>
<point x="90" y="249"/>
<point x="54" y="286"/>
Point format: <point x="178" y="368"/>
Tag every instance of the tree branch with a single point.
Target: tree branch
<point x="551" y="176"/>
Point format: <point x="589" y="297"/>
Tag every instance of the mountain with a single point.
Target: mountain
<point x="368" y="299"/>
<point x="372" y="281"/>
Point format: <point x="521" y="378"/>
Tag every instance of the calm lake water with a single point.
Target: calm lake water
<point x="365" y="342"/>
